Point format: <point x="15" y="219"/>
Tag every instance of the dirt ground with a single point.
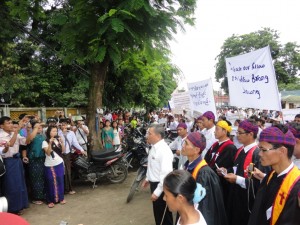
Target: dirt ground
<point x="106" y="204"/>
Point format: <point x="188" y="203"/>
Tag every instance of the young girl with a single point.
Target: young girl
<point x="180" y="189"/>
<point x="117" y="135"/>
<point x="54" y="167"/>
<point x="107" y="135"/>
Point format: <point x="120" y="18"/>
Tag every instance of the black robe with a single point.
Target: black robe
<point x="266" y="195"/>
<point x="225" y="159"/>
<point x="240" y="200"/>
<point x="212" y="206"/>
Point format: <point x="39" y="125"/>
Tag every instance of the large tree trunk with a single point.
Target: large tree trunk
<point x="97" y="79"/>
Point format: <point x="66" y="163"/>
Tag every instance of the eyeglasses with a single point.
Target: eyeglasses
<point x="239" y="133"/>
<point x="266" y="149"/>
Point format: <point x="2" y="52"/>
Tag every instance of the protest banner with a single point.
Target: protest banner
<point x="202" y="96"/>
<point x="252" y="82"/>
<point x="181" y="101"/>
<point x="289" y="114"/>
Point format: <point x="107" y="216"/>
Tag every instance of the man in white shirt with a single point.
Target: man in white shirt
<point x="14" y="188"/>
<point x="177" y="144"/>
<point x="160" y="163"/>
<point x="70" y="142"/>
<point x="82" y="132"/>
<point x="208" y="120"/>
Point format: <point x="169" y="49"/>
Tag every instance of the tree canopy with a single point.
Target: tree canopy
<point x="286" y="57"/>
<point x="110" y="51"/>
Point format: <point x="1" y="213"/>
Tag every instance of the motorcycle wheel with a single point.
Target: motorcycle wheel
<point x="133" y="189"/>
<point x="121" y="173"/>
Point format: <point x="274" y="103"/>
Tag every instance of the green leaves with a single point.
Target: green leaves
<point x="101" y="54"/>
<point x="117" y="25"/>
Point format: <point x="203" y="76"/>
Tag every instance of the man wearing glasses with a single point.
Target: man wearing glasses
<point x="277" y="198"/>
<point x="243" y="187"/>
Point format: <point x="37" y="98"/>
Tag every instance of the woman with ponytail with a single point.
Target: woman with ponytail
<point x="182" y="194"/>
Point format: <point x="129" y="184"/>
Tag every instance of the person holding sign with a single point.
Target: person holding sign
<point x="277" y="199"/>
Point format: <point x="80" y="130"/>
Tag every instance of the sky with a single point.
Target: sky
<point x="194" y="51"/>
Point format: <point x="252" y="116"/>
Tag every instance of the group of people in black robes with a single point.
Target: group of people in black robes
<point x="259" y="184"/>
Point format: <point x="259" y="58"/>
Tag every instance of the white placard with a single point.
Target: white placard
<point x="252" y="82"/>
<point x="202" y="96"/>
<point x="289" y="114"/>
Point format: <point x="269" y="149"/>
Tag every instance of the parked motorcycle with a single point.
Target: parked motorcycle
<point x="107" y="164"/>
<point x="136" y="152"/>
<point x="141" y="175"/>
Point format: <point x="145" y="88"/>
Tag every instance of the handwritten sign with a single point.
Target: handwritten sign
<point x="202" y="96"/>
<point x="252" y="82"/>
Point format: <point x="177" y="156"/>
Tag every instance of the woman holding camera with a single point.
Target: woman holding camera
<point x="54" y="168"/>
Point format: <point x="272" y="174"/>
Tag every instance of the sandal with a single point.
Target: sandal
<point x="20" y="213"/>
<point x="37" y="202"/>
<point x="63" y="202"/>
<point x="72" y="192"/>
<point x="51" y="205"/>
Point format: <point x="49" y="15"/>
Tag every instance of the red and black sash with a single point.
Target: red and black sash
<point x="248" y="158"/>
<point x="220" y="150"/>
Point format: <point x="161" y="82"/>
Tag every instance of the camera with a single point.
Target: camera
<point x="250" y="169"/>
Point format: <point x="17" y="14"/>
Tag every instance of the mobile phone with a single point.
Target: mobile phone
<point x="250" y="169"/>
<point x="223" y="172"/>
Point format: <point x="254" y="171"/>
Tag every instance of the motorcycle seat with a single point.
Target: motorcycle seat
<point x="104" y="155"/>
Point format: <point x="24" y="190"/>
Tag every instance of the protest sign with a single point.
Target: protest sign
<point x="289" y="114"/>
<point x="252" y="82"/>
<point x="181" y="101"/>
<point x="202" y="96"/>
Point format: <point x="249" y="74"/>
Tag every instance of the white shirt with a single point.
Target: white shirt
<point x="210" y="139"/>
<point x="71" y="141"/>
<point x="296" y="162"/>
<point x="4" y="136"/>
<point x="173" y="125"/>
<point x="200" y="222"/>
<point x="177" y="145"/>
<point x="241" y="180"/>
<point x="49" y="161"/>
<point x="160" y="163"/>
<point x="117" y="140"/>
<point x="81" y="136"/>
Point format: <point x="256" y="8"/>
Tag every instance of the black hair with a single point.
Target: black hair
<point x="297" y="116"/>
<point x="3" y="119"/>
<point x="22" y="115"/>
<point x="15" y="122"/>
<point x="290" y="148"/>
<point x="181" y="182"/>
<point x="48" y="132"/>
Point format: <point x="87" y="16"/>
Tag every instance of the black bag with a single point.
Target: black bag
<point x="2" y="167"/>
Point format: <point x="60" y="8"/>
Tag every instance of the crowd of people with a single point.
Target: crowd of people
<point x="36" y="159"/>
<point x="249" y="176"/>
<point x="239" y="172"/>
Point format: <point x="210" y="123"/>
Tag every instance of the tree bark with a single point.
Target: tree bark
<point x="96" y="88"/>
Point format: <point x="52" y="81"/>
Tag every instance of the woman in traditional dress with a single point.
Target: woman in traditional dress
<point x="35" y="156"/>
<point x="54" y="168"/>
<point x="107" y="135"/>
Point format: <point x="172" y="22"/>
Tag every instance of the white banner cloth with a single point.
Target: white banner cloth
<point x="252" y="82"/>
